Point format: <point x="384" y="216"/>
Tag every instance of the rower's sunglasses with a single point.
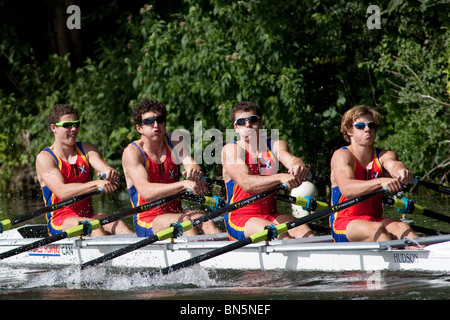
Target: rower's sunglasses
<point x="362" y="125"/>
<point x="151" y="120"/>
<point x="68" y="124"/>
<point x="243" y="121"/>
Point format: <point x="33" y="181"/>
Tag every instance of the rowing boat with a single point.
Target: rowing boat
<point x="316" y="253"/>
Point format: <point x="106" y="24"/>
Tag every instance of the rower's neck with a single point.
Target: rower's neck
<point x="364" y="154"/>
<point x="67" y="153"/>
<point x="250" y="145"/>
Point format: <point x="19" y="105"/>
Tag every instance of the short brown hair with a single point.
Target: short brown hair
<point x="245" y="106"/>
<point x="148" y="105"/>
<point x="60" y="110"/>
<point x="354" y="113"/>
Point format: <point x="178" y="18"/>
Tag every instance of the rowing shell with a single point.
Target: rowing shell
<point x="316" y="253"/>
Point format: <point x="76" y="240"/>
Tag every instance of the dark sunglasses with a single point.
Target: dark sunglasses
<point x="243" y="121"/>
<point x="362" y="125"/>
<point x="151" y="120"/>
<point x="68" y="124"/>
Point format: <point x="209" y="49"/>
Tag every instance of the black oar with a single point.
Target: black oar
<point x="86" y="227"/>
<point x="433" y="186"/>
<point x="8" y="223"/>
<point x="268" y="233"/>
<point x="407" y="206"/>
<point x="177" y="229"/>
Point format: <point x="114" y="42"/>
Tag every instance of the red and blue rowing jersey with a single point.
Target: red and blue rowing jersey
<point x="79" y="172"/>
<point x="265" y="208"/>
<point x="265" y="166"/>
<point x="165" y="172"/>
<point x="370" y="210"/>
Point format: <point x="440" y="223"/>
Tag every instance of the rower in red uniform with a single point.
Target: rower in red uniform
<point x="152" y="174"/>
<point x="358" y="169"/>
<point x="65" y="170"/>
<point x="248" y="170"/>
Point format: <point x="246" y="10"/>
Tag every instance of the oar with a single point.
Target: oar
<point x="178" y="228"/>
<point x="433" y="186"/>
<point x="8" y="223"/>
<point x="307" y="203"/>
<point x="408" y="206"/>
<point x="269" y="233"/>
<point x="86" y="227"/>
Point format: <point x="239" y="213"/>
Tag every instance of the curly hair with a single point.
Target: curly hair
<point x="148" y="105"/>
<point x="245" y="106"/>
<point x="60" y="110"/>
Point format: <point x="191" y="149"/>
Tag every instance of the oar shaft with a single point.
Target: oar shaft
<point x="168" y="233"/>
<point x="433" y="186"/>
<point x="33" y="245"/>
<point x="262" y="235"/>
<point x="13" y="221"/>
<point x="95" y="224"/>
<point x="303" y="202"/>
<point x="206" y="256"/>
<point x="416" y="209"/>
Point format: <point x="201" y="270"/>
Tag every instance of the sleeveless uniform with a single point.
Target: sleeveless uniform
<point x="166" y="172"/>
<point x="369" y="210"/>
<point x="265" y="209"/>
<point x="78" y="172"/>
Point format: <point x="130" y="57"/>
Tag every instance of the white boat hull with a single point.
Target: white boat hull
<point x="318" y="253"/>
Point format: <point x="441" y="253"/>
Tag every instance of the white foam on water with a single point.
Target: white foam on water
<point x="101" y="278"/>
<point x="117" y="279"/>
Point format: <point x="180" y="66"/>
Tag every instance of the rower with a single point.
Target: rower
<point x="248" y="169"/>
<point x="360" y="168"/>
<point x="65" y="170"/>
<point x="150" y="165"/>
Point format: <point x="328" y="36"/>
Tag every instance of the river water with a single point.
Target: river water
<point x="198" y="284"/>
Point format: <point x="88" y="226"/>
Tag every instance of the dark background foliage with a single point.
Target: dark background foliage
<point x="304" y="62"/>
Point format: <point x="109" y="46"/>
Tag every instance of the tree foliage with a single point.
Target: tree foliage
<point x="304" y="63"/>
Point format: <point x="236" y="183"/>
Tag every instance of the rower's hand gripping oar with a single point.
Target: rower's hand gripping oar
<point x="8" y="223"/>
<point x="177" y="228"/>
<point x="433" y="186"/>
<point x="405" y="205"/>
<point x="85" y="227"/>
<point x="270" y="231"/>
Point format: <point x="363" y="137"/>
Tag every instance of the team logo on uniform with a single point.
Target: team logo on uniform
<point x="82" y="169"/>
<point x="172" y="173"/>
<point x="267" y="164"/>
<point x="375" y="175"/>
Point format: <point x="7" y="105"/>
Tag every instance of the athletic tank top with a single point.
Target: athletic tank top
<point x="370" y="207"/>
<point x="265" y="166"/>
<point x="78" y="172"/>
<point x="166" y="172"/>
